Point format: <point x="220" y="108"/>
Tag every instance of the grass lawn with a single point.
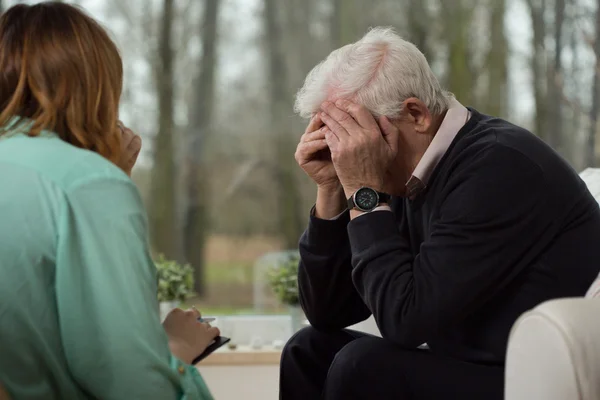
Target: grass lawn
<point x="220" y="272"/>
<point x="230" y="291"/>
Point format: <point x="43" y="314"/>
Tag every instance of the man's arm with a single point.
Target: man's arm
<point x="489" y="227"/>
<point x="327" y="293"/>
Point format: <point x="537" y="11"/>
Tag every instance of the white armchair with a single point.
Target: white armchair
<point x="554" y="352"/>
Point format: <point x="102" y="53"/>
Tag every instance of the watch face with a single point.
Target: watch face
<point x="366" y="199"/>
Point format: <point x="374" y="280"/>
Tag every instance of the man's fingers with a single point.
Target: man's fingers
<point x="389" y="132"/>
<point x="340" y="116"/>
<point x="306" y="150"/>
<point x="314" y="124"/>
<point x="359" y="113"/>
<point x="332" y="141"/>
<point x="314" y="146"/>
<point x="315" y="135"/>
<point x="336" y="128"/>
<point x="387" y="128"/>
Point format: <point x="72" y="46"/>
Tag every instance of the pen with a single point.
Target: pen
<point x="206" y="319"/>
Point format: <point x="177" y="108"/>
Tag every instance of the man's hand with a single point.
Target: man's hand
<point x="131" y="144"/>
<point x="313" y="156"/>
<point x="361" y="151"/>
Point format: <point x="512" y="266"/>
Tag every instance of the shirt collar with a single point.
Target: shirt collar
<point x="455" y="118"/>
<point x="21" y="126"/>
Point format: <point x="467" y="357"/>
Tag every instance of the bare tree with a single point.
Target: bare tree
<point x="280" y="105"/>
<point x="344" y="22"/>
<point x="497" y="61"/>
<point x="163" y="221"/>
<point x="199" y="129"/>
<point x="555" y="76"/>
<point x="461" y="76"/>
<point x="590" y="153"/>
<point x="299" y="39"/>
<point x="418" y="19"/>
<point x="575" y="153"/>
<point x="538" y="65"/>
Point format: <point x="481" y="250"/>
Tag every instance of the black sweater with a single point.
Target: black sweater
<point x="504" y="225"/>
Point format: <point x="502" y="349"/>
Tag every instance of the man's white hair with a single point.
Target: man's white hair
<point x="379" y="71"/>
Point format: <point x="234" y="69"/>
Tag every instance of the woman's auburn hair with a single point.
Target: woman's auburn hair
<point x="60" y="70"/>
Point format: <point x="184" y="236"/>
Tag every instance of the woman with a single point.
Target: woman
<point x="78" y="307"/>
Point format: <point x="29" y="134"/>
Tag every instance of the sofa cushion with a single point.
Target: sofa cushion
<point x="554" y="352"/>
<point x="594" y="289"/>
<point x="591" y="177"/>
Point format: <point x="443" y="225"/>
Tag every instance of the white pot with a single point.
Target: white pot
<point x="165" y="308"/>
<point x="297" y="318"/>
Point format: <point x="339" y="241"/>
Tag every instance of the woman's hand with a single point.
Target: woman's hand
<point x="188" y="338"/>
<point x="131" y="144"/>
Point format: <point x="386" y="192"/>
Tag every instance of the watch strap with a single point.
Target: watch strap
<point x="351" y="204"/>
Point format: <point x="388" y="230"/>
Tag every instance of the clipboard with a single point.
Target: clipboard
<point x="218" y="342"/>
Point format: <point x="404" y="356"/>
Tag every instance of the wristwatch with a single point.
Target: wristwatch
<point x="366" y="199"/>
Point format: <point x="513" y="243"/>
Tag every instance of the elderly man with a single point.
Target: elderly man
<point x="443" y="223"/>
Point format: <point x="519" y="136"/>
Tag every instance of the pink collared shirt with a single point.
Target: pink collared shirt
<point x="456" y="117"/>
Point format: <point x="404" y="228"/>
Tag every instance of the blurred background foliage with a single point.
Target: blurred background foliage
<point x="209" y="85"/>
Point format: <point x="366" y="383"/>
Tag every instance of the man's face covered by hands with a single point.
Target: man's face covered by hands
<point x="362" y="148"/>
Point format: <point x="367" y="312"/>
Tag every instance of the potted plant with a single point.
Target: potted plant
<point x="283" y="280"/>
<point x="175" y="284"/>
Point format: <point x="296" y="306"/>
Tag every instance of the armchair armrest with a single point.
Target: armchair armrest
<point x="554" y="352"/>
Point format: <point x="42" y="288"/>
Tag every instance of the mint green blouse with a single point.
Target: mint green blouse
<point x="78" y="307"/>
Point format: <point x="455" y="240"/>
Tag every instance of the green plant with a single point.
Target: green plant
<point x="283" y="279"/>
<point x="175" y="281"/>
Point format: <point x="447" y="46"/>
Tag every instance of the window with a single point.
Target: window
<point x="209" y="85"/>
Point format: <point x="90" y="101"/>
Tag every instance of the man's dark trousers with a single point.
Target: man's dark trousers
<point x="347" y="365"/>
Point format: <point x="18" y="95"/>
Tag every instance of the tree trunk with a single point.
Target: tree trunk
<point x="299" y="16"/>
<point x="460" y="78"/>
<point x="555" y="95"/>
<point x="538" y="66"/>
<point x="497" y="62"/>
<point x="290" y="223"/>
<point x="297" y="41"/>
<point x="576" y="153"/>
<point x="418" y="20"/>
<point x="344" y="23"/>
<point x="591" y="137"/>
<point x="199" y="129"/>
<point x="163" y="221"/>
